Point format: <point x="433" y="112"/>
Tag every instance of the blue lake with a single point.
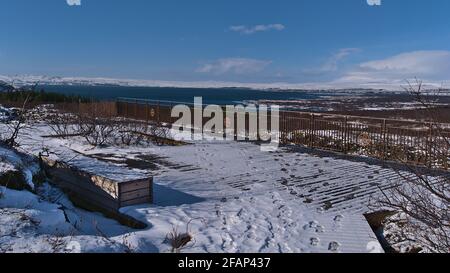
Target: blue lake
<point x="222" y="96"/>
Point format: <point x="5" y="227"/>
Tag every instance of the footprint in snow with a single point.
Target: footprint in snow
<point x="320" y="210"/>
<point x="334" y="246"/>
<point x="314" y="241"/>
<point x="251" y="235"/>
<point x="314" y="225"/>
<point x="338" y="218"/>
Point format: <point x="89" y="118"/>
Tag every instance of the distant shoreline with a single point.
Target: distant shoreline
<point x="396" y="86"/>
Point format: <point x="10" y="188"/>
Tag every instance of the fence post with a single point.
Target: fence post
<point x="383" y="137"/>
<point x="282" y="126"/>
<point x="170" y="116"/>
<point x="159" y="111"/>
<point x="344" y="139"/>
<point x="312" y="129"/>
<point x="147" y="112"/>
<point x="446" y="155"/>
<point x="429" y="148"/>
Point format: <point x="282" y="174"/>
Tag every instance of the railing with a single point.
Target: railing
<point x="412" y="142"/>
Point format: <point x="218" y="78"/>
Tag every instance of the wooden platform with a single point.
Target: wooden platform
<point x="98" y="191"/>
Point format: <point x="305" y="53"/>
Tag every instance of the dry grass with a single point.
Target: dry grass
<point x="178" y="240"/>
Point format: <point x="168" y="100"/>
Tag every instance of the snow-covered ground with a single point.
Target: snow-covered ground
<point x="230" y="196"/>
<point x="6" y="114"/>
<point x="46" y="221"/>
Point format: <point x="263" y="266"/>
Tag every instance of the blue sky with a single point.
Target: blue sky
<point x="295" y="41"/>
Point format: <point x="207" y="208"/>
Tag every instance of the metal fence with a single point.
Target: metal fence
<point x="417" y="143"/>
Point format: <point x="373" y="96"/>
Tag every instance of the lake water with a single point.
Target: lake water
<point x="223" y="96"/>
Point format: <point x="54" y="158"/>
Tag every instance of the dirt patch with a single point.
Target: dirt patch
<point x="146" y="161"/>
<point x="14" y="180"/>
<point x="375" y="221"/>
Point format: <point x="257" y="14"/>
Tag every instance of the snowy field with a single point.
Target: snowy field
<point x="230" y="196"/>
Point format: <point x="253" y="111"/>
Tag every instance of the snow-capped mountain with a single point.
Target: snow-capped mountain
<point x="23" y="80"/>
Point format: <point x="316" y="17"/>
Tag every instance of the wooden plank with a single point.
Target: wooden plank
<point x="135" y="194"/>
<point x="132" y="186"/>
<point x="104" y="201"/>
<point x="138" y="201"/>
<point x="80" y="182"/>
<point x="98" y="190"/>
<point x="106" y="184"/>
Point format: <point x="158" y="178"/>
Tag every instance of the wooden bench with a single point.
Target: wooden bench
<point x="97" y="190"/>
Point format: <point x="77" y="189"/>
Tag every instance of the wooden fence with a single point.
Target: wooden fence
<point x="417" y="143"/>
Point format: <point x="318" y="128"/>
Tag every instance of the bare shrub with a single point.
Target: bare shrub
<point x="421" y="198"/>
<point x="95" y="129"/>
<point x="178" y="240"/>
<point x="62" y="124"/>
<point x="160" y="132"/>
<point x="135" y="132"/>
<point x="123" y="135"/>
<point x="131" y="132"/>
<point x="97" y="132"/>
<point x="9" y="138"/>
<point x="99" y="126"/>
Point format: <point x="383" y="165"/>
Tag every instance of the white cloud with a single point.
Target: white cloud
<point x="333" y="62"/>
<point x="258" y="28"/>
<point x="429" y="65"/>
<point x="374" y="2"/>
<point x="73" y="2"/>
<point x="234" y="65"/>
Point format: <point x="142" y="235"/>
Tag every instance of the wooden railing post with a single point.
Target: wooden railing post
<point x="159" y="111"/>
<point x="313" y="131"/>
<point x="345" y="136"/>
<point x="446" y="154"/>
<point x="283" y="127"/>
<point x="429" y="146"/>
<point x="383" y="138"/>
<point x="147" y="112"/>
